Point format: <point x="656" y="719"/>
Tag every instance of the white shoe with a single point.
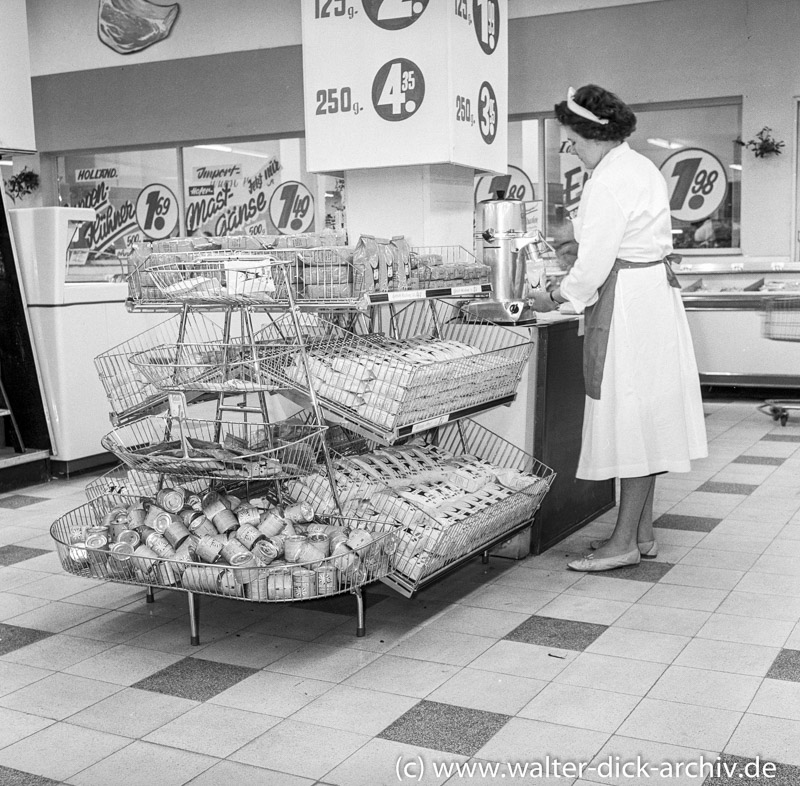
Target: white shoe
<point x="647" y="548"/>
<point x="592" y="564"/>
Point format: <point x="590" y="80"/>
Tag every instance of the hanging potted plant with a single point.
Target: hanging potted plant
<point x="763" y="144"/>
<point x="23" y="183"/>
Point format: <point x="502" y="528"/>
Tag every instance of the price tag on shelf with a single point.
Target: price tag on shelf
<point x="697" y="183"/>
<point x="404" y="82"/>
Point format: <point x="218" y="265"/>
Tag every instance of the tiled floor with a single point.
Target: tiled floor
<point x="686" y="667"/>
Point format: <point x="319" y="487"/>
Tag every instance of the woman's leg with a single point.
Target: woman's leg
<point x="635" y="518"/>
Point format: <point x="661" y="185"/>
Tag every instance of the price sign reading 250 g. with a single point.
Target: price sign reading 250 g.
<point x="398" y="89"/>
<point x="697" y="183"/>
<point x="291" y="208"/>
<point x="156" y="211"/>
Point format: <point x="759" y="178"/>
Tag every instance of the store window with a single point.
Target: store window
<point x="693" y="146"/>
<point x="134" y="196"/>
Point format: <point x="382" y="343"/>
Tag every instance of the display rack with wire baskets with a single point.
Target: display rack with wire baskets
<point x="448" y="266"/>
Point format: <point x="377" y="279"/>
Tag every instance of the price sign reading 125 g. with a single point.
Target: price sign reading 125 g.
<point x="291" y="208"/>
<point x="697" y="184"/>
<point x="156" y="211"/>
<point x="394" y="14"/>
<point x="398" y="89"/>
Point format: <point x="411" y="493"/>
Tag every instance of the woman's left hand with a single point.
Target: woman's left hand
<point x="542" y="301"/>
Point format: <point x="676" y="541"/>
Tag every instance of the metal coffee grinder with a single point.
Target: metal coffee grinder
<point x="516" y="258"/>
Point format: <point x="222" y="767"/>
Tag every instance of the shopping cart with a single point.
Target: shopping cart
<point x="781" y="323"/>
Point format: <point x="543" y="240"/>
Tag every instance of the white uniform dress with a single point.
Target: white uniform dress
<point x="649" y="417"/>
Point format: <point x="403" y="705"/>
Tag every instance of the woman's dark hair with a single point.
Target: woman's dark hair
<point x="603" y="103"/>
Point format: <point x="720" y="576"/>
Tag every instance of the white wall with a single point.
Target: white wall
<point x="63" y="33"/>
<point x="16" y="107"/>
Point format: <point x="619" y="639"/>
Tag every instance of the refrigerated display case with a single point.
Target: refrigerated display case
<point x="76" y="309"/>
<point x="725" y="303"/>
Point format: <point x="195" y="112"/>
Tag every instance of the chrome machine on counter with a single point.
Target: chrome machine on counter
<point x="516" y="258"/>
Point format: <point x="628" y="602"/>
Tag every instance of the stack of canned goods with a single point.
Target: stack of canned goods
<point x="216" y="543"/>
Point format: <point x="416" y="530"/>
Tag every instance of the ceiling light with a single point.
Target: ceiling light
<point x="658" y="142"/>
<point x="735" y="166"/>
<point x="6" y="163"/>
<point x="220" y="148"/>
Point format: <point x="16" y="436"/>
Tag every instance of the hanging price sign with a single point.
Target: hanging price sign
<point x="697" y="184"/>
<point x="404" y="82"/>
<point x="156" y="211"/>
<point x="291" y="208"/>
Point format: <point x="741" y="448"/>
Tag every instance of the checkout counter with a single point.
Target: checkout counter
<point x="76" y="308"/>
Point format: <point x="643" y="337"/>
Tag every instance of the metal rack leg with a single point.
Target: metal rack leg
<point x="194" y="618"/>
<point x="361" y="629"/>
<point x="484" y="557"/>
<point x="151" y="596"/>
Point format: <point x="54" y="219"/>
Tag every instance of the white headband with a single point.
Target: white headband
<point x="582" y="110"/>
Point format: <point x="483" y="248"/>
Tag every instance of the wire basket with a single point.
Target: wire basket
<point x="217" y="449"/>
<point x="219" y="277"/>
<point x="129" y="393"/>
<point x="782" y="318"/>
<point x="448" y="266"/>
<point x="239" y="365"/>
<point x="248" y="577"/>
<point x="434" y="363"/>
<point x="450" y="493"/>
<point x="121" y="485"/>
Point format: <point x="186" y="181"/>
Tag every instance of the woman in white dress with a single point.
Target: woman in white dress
<point x="643" y="414"/>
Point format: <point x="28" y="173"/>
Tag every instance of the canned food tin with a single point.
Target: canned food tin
<point x="201" y="579"/>
<point x="279" y="584"/>
<point x="272" y="523"/>
<point x="136" y="516"/>
<point x="228" y="585"/>
<point x="304" y="583"/>
<point x="121" y="551"/>
<point x="160" y="545"/>
<point x="299" y="513"/>
<point x="258" y="589"/>
<point x="359" y="538"/>
<point x="345" y="559"/>
<point x="188" y="515"/>
<point x="225" y="521"/>
<point x="292" y="544"/>
<point x="166" y="574"/>
<point x="246" y="568"/>
<point x="116" y="520"/>
<point x="129" y="536"/>
<point x="153" y="512"/>
<point x="209" y="548"/>
<point x="327" y="580"/>
<point x="145" y="533"/>
<point x="172" y="500"/>
<point x="231" y="502"/>
<point x="202" y="526"/>
<point x="212" y="504"/>
<point x="144" y="560"/>
<point x="249" y="536"/>
<point x="184" y="556"/>
<point x="119" y="561"/>
<point x="98" y="542"/>
<point x="98" y="529"/>
<point x="247" y="514"/>
<point x="77" y="556"/>
<point x="309" y="554"/>
<point x="266" y="551"/>
<point x="176" y="532"/>
<point x="233" y="547"/>
<point x="321" y="541"/>
<point x="336" y="538"/>
<point x="194" y="502"/>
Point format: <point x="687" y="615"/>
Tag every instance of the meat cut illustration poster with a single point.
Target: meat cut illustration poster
<point x="128" y="26"/>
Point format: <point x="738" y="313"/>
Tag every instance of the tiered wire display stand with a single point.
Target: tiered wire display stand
<point x="397" y="371"/>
